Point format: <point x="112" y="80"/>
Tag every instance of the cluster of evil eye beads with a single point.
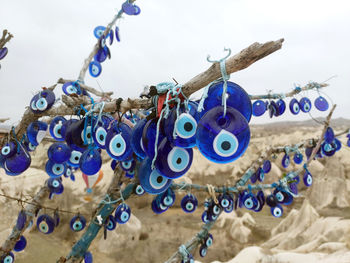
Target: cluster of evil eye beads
<point x="103" y="51"/>
<point x="46" y="224"/>
<point x="277" y="108"/>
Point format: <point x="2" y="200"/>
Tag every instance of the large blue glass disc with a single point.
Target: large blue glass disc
<point x="305" y="104"/>
<point x="321" y="104"/>
<point x="237" y="98"/>
<point x="222" y="139"/>
<point x="259" y="108"/>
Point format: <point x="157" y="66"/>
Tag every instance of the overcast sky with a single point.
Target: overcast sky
<point x="172" y="39"/>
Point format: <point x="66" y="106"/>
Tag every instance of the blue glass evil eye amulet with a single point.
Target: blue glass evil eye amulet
<point x="118" y="143"/>
<point x="172" y="161"/>
<point x="183" y="126"/>
<point x="237" y="98"/>
<point x="220" y="138"/>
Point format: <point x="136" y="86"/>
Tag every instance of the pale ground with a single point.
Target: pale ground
<point x="310" y="231"/>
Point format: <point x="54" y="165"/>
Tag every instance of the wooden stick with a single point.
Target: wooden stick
<point x="289" y="94"/>
<point x="87" y="88"/>
<point x="6" y="37"/>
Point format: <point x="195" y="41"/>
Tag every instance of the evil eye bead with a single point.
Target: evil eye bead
<point x="189" y="203"/>
<point x="285" y="161"/>
<point x="136" y="138"/>
<point x="59" y="152"/>
<point x="17" y="163"/>
<point x="55" y="128"/>
<point x="175" y="161"/>
<point x="215" y="209"/>
<point x="298" y="158"/>
<point x="9" y="258"/>
<point x="117" y="37"/>
<point x="266" y="166"/>
<point x="95" y="69"/>
<point x="151" y="180"/>
<point x="329" y="135"/>
<point x="277" y="211"/>
<point x="203" y="250"/>
<point x="209" y="240"/>
<point x="220" y="138"/>
<point x="77" y="223"/>
<point x="20" y="244"/>
<point x="139" y="190"/>
<point x="128" y="165"/>
<point x="307" y="178"/>
<point x="205" y="218"/>
<point x="294" y="106"/>
<point x="305" y="104"/>
<point x="90" y="161"/>
<point x="185" y="126"/>
<point x="168" y="198"/>
<point x="55" y="169"/>
<point x="281" y="106"/>
<point x="54" y="185"/>
<point x="271" y="200"/>
<point x="36" y="132"/>
<point x="122" y="213"/>
<point x="45" y="224"/>
<point x="74" y="159"/>
<point x="118" y="142"/>
<point x="128" y="8"/>
<point x="321" y="103"/>
<point x="259" y="108"/>
<point x="8" y="150"/>
<point x="225" y="201"/>
<point x="98" y="31"/>
<point x="250" y="202"/>
<point x="99" y="137"/>
<point x="182" y="125"/>
<point x="111" y="223"/>
<point x="237" y="98"/>
<point x="283" y="197"/>
<point x="69" y="88"/>
<point x="328" y="149"/>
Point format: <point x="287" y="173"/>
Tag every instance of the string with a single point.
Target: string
<point x="224" y="76"/>
<point x="36" y="204"/>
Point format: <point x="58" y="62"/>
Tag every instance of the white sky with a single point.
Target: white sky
<point x="172" y="39"/>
